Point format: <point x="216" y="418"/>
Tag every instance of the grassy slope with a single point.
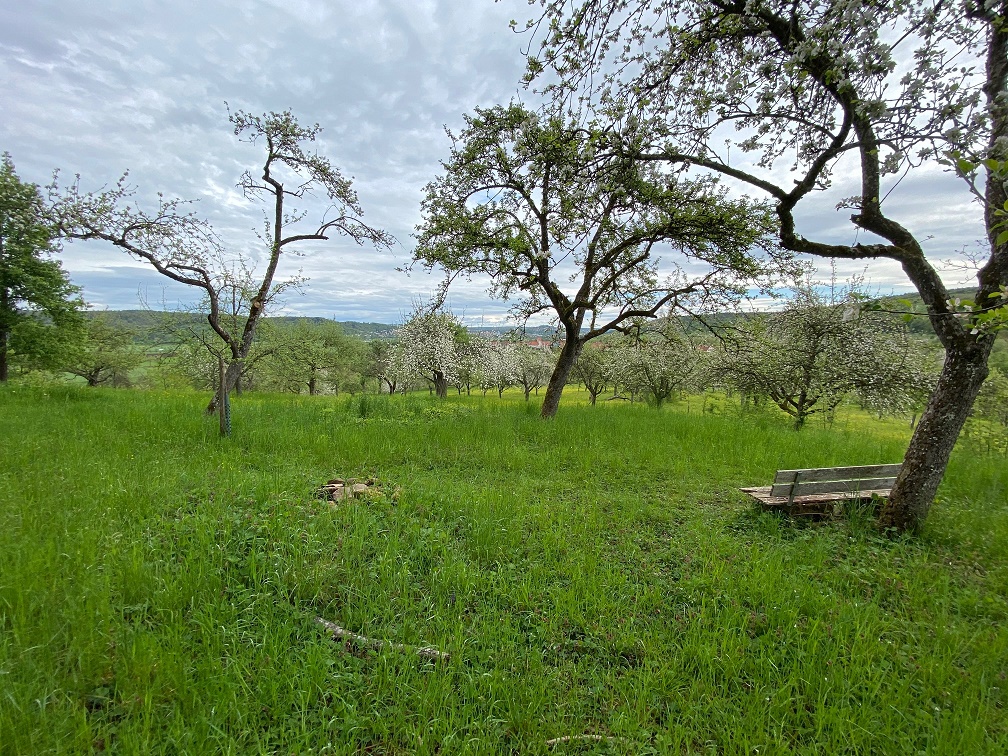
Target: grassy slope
<point x="599" y="574"/>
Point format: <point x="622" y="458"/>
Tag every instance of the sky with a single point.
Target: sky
<point x="100" y="88"/>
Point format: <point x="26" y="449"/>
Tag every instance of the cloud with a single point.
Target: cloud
<point x="102" y="88"/>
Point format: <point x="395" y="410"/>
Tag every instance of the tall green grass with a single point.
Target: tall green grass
<point x="595" y="575"/>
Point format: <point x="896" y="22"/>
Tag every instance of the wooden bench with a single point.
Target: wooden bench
<point x="818" y="491"/>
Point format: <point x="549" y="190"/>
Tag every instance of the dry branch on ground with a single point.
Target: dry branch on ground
<point x="339" y="633"/>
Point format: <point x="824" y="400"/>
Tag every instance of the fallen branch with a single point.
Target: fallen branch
<point x="596" y="738"/>
<point x="339" y="633"/>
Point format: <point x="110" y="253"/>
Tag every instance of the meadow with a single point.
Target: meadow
<point x="598" y="580"/>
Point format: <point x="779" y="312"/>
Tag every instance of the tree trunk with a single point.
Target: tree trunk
<point x="931" y="445"/>
<point x="440" y="384"/>
<point x="5" y="311"/>
<point x="966" y="356"/>
<point x="3" y="356"/>
<point x="312" y="386"/>
<point x="557" y="381"/>
<point x="231" y="376"/>
<point x="801" y="410"/>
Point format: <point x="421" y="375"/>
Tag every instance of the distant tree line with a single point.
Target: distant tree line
<point x="804" y="359"/>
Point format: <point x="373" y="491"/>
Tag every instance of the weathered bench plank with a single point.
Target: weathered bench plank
<point x="762" y="494"/>
<point x="838" y="473"/>
<point x="802" y="488"/>
<point x="819" y="490"/>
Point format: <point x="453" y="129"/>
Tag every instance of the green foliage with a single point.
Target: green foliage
<point x="194" y="352"/>
<point x="104" y="353"/>
<point x="981" y="319"/>
<point x="317" y="357"/>
<point x="987" y="428"/>
<point x="39" y="343"/>
<point x="522" y="194"/>
<point x="36" y="296"/>
<point x="152" y="328"/>
<point x="992" y="403"/>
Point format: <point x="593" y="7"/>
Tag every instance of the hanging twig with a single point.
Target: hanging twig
<point x="340" y="633"/>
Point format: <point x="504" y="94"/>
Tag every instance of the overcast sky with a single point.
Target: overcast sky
<point x="101" y="87"/>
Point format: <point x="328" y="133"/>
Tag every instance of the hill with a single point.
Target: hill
<point x="150" y="325"/>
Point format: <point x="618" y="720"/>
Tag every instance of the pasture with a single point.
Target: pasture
<point x="599" y="582"/>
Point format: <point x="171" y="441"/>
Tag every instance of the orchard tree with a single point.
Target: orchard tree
<point x="819" y="350"/>
<point x="532" y="367"/>
<point x="349" y="372"/>
<point x="317" y="357"/>
<point x="807" y="83"/>
<point x="198" y="345"/>
<point x="495" y="364"/>
<point x="593" y="368"/>
<point x="184" y="248"/>
<point x="661" y="362"/>
<point x="479" y="358"/>
<point x="907" y="371"/>
<point x="105" y="353"/>
<point x="535" y="201"/>
<point x="36" y="295"/>
<point x="383" y="363"/>
<point x="40" y="344"/>
<point x="196" y="351"/>
<point x="468" y="362"/>
<point x="429" y="345"/>
<point x="487" y="362"/>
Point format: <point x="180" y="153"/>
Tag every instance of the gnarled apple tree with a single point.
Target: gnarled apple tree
<point x="534" y="202"/>
<point x="805" y="83"/>
<point x="184" y="248"/>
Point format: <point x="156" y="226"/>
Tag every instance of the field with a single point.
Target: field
<point x="600" y="584"/>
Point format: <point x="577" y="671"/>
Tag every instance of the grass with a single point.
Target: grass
<point x="595" y="575"/>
